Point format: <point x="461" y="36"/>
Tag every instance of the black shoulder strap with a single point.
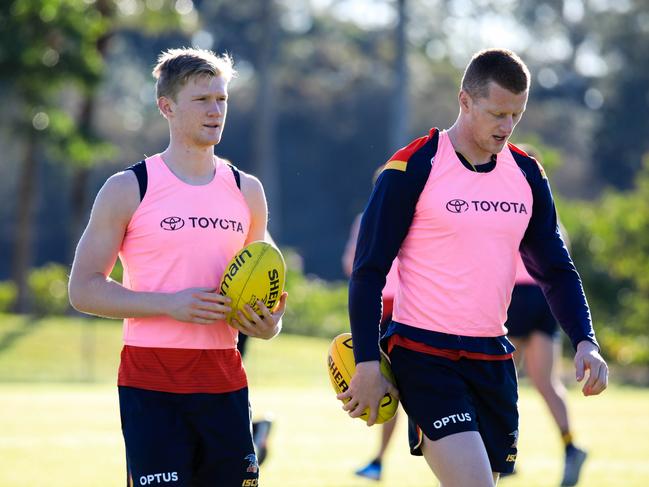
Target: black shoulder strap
<point x="139" y="169"/>
<point x="142" y="178"/>
<point x="236" y="174"/>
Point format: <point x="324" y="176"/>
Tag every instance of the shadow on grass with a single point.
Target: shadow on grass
<point x="9" y="338"/>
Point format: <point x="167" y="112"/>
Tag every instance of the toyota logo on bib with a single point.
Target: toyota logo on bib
<point x="457" y="206"/>
<point x="172" y="223"/>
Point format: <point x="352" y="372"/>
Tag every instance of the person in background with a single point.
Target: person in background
<point x="261" y="427"/>
<point x="535" y="334"/>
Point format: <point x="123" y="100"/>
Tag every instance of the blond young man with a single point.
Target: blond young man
<point x="175" y="220"/>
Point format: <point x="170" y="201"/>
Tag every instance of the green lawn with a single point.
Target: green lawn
<point x="58" y="349"/>
<point x="67" y="434"/>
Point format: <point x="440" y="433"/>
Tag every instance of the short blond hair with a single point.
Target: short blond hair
<point x="177" y="66"/>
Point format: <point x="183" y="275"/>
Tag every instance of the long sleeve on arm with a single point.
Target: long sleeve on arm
<point x="384" y="226"/>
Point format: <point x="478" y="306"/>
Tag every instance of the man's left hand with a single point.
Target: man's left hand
<point x="588" y="359"/>
<point x="265" y="326"/>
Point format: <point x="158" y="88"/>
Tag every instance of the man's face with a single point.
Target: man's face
<point x="197" y="116"/>
<point x="492" y="119"/>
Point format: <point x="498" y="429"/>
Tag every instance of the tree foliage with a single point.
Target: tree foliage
<point x="620" y="230"/>
<point x="333" y="78"/>
<point x="610" y="240"/>
<point x="624" y="45"/>
<point x="44" y="47"/>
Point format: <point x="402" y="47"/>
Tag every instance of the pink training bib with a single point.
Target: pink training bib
<point x="457" y="263"/>
<point x="182" y="236"/>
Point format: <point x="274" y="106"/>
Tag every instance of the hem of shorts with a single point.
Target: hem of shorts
<point x="416" y="450"/>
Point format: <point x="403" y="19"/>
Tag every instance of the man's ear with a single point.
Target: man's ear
<point x="465" y="101"/>
<point x="166" y="106"/>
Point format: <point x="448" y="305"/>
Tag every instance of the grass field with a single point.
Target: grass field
<point x="67" y="434"/>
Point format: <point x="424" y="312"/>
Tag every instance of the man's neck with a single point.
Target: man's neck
<point x="463" y="143"/>
<point x="191" y="164"/>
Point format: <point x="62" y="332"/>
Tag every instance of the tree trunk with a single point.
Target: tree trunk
<point x="78" y="207"/>
<point x="264" y="157"/>
<point x="400" y="107"/>
<point x="79" y="180"/>
<point x="80" y="175"/>
<point x="24" y="231"/>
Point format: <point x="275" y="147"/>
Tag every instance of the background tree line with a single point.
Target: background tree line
<point x="327" y="90"/>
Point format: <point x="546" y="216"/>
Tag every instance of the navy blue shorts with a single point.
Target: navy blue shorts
<point x="442" y="397"/>
<point x="528" y="312"/>
<point x="196" y="440"/>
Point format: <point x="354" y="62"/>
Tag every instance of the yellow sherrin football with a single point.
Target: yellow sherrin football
<point x="342" y="367"/>
<point x="256" y="272"/>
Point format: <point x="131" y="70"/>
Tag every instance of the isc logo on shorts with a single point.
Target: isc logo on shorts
<point x="453" y="418"/>
<point x="158" y="478"/>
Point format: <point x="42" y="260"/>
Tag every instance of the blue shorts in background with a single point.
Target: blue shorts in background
<point x="529" y="312"/>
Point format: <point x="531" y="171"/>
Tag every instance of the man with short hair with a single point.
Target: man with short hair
<point x="175" y="220"/>
<point x="455" y="206"/>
